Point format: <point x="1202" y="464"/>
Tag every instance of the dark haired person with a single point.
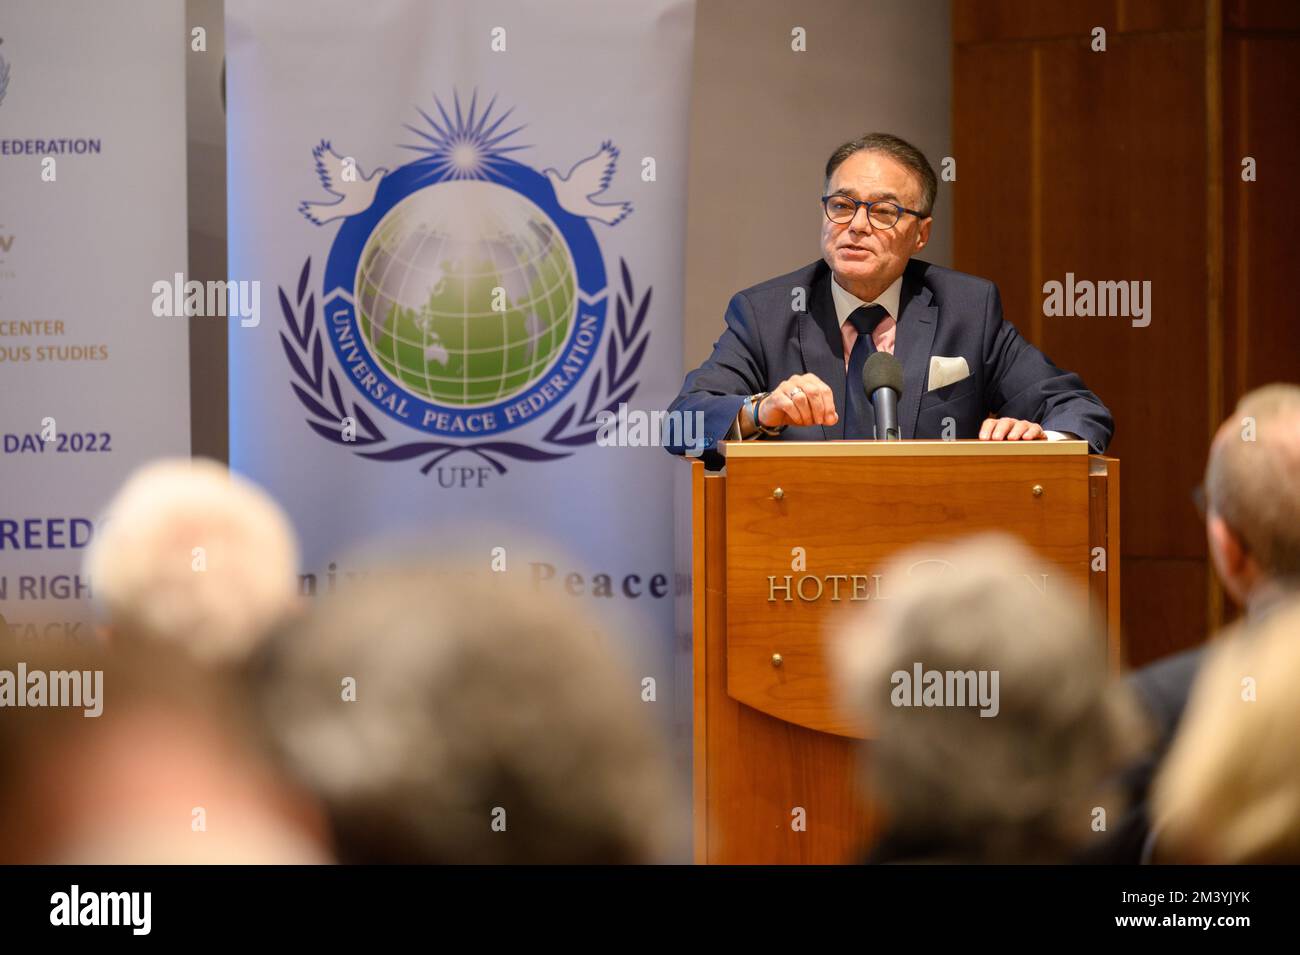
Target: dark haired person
<point x="789" y="363"/>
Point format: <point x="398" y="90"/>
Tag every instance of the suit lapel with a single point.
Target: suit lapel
<point x="823" y="347"/>
<point x="912" y="344"/>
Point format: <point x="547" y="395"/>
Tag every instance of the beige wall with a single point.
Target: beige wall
<point x="764" y="119"/>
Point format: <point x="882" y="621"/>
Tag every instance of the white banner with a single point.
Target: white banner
<point x="92" y="215"/>
<point x="467" y="220"/>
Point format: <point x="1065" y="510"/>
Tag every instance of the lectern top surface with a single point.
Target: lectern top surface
<point x="851" y="449"/>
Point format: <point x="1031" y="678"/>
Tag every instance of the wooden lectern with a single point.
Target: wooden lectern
<point x="768" y="736"/>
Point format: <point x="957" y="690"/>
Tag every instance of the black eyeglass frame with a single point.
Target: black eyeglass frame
<point x="858" y="203"/>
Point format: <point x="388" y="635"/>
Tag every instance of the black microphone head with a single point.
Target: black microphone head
<point x="883" y="370"/>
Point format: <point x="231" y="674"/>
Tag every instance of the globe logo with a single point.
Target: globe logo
<point x="465" y="292"/>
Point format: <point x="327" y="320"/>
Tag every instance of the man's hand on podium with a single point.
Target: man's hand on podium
<point x="1011" y="429"/>
<point x="807" y="400"/>
<point x="799" y="400"/>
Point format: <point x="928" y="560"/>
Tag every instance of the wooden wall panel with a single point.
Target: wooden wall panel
<point x="1122" y="179"/>
<point x="1126" y="165"/>
<point x="1262" y="15"/>
<point x="983" y="21"/>
<point x="1262" y="310"/>
<point x="1152" y="592"/>
<point x="992" y="110"/>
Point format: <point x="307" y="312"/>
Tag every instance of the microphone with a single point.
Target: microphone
<point x="883" y="380"/>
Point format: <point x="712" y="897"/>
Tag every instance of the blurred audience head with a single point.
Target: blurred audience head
<point x="455" y="719"/>
<point x="994" y="732"/>
<point x="1252" y="492"/>
<point x="145" y="759"/>
<point x="189" y="553"/>
<point x="1229" y="791"/>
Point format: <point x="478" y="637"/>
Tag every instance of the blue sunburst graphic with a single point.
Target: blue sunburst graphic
<point x="465" y="147"/>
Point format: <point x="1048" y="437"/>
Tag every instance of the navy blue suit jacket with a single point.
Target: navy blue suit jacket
<point x="941" y="312"/>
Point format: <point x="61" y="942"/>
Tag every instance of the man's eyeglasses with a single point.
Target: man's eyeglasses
<point x="883" y="214"/>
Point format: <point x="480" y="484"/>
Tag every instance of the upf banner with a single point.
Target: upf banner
<point x="92" y="215"/>
<point x="467" y="222"/>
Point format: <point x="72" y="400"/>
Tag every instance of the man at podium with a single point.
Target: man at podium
<point x="790" y="361"/>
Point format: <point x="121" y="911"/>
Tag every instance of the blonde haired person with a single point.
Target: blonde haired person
<point x="1013" y="767"/>
<point x="1229" y="791"/>
<point x="189" y="553"/>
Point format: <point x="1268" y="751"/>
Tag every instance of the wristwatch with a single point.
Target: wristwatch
<point x="753" y="402"/>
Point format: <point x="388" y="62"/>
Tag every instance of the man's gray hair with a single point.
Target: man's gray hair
<point x="1252" y="478"/>
<point x="898" y="149"/>
<point x="488" y="724"/>
<point x="1022" y="785"/>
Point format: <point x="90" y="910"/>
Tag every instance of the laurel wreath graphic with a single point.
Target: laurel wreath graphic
<point x="317" y="387"/>
<point x="4" y="78"/>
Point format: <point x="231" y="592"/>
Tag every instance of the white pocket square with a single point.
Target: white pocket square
<point x="945" y="371"/>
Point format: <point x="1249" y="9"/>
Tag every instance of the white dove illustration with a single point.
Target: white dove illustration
<point x="354" y="194"/>
<point x="590" y="177"/>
